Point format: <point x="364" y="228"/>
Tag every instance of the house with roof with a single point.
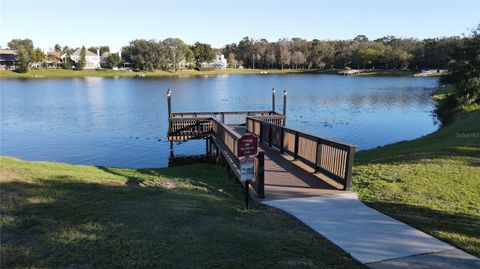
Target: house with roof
<point x="92" y="60"/>
<point x="54" y="59"/>
<point x="8" y="59"/>
<point x="218" y="62"/>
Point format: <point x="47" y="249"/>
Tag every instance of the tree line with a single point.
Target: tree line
<point x="388" y="52"/>
<point x="463" y="76"/>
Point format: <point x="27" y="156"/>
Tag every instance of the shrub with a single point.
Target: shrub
<point x="206" y="69"/>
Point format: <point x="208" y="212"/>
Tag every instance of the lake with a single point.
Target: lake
<point x="122" y="122"/>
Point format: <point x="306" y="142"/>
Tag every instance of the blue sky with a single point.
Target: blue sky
<point x="115" y="23"/>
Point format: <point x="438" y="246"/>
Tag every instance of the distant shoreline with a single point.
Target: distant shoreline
<point x="62" y="73"/>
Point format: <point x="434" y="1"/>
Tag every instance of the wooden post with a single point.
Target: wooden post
<point x="210" y="147"/>
<point x="284" y="106"/>
<point x="260" y="180"/>
<point x="246" y="194"/>
<point x="348" y="174"/>
<point x="270" y="137"/>
<point x="172" y="156"/>
<point x="207" y="152"/>
<point x="273" y="99"/>
<point x="282" y="136"/>
<point x="169" y="102"/>
<point x="169" y="98"/>
<point x="318" y="157"/>
<point x="295" y="151"/>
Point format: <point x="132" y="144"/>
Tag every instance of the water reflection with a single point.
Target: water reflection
<point x="123" y="122"/>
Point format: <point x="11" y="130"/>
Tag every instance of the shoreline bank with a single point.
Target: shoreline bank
<point x="62" y="73"/>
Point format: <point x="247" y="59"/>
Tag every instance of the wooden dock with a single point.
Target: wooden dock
<point x="290" y="163"/>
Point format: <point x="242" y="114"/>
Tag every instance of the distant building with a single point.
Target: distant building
<point x="218" y="62"/>
<point x="54" y="59"/>
<point x="8" y="59"/>
<point x="92" y="59"/>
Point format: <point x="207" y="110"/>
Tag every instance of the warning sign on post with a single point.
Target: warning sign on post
<point x="247" y="145"/>
<point x="247" y="169"/>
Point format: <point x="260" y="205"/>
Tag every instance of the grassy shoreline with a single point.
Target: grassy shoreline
<point x="431" y="183"/>
<point x="57" y="215"/>
<point x="61" y="73"/>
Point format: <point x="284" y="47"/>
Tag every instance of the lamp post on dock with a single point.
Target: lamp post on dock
<point x="273" y="99"/>
<point x="169" y="98"/>
<point x="284" y="106"/>
<point x="169" y="107"/>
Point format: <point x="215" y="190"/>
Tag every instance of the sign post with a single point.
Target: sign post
<point x="247" y="149"/>
<point x="247" y="145"/>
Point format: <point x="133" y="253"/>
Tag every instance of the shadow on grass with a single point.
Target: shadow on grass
<point x="63" y="222"/>
<point x="197" y="177"/>
<point x="461" y="230"/>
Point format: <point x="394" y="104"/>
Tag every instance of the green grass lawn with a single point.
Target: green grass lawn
<point x="63" y="216"/>
<point x="387" y="73"/>
<point x="431" y="183"/>
<point x="62" y="73"/>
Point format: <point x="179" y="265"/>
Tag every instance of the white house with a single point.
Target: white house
<point x="92" y="59"/>
<point x="218" y="62"/>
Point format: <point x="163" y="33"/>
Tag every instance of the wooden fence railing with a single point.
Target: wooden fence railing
<point x="227" y="141"/>
<point x="329" y="157"/>
<point x="187" y="128"/>
<point x="228" y="118"/>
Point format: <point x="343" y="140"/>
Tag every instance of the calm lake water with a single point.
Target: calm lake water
<point x="123" y="122"/>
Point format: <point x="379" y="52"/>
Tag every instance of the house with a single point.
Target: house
<point x="92" y="59"/>
<point x="218" y="62"/>
<point x="8" y="59"/>
<point x="54" y="60"/>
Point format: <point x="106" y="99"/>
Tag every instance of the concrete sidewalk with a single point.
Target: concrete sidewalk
<point x="371" y="237"/>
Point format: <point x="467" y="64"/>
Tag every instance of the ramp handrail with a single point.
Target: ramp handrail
<point x="332" y="158"/>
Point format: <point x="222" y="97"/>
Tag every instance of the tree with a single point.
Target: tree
<point x="284" y="55"/>
<point x="202" y="53"/>
<point x="298" y="58"/>
<point x="103" y="49"/>
<point x="23" y="60"/>
<point x="58" y="47"/>
<point x="100" y="50"/>
<point x="231" y="59"/>
<point x="17" y="44"/>
<point x="361" y="38"/>
<point x="93" y="49"/>
<point x="114" y="60"/>
<point x="246" y="51"/>
<point x="67" y="50"/>
<point x="176" y="51"/>
<point x="315" y="54"/>
<point x="37" y="56"/>
<point x="465" y="70"/>
<point x="145" y="54"/>
<point x="83" y="59"/>
<point x="271" y="55"/>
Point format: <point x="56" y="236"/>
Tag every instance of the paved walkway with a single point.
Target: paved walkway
<point x="370" y="237"/>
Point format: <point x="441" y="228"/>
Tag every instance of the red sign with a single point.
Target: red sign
<point x="247" y="145"/>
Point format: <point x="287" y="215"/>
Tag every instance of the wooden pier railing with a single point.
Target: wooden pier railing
<point x="188" y="128"/>
<point x="226" y="141"/>
<point x="334" y="159"/>
<point x="228" y="118"/>
<point x="190" y="125"/>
